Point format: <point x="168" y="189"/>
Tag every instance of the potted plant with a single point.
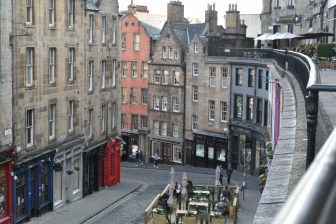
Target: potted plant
<point x="159" y="216"/>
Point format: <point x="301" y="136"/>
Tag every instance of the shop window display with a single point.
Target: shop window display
<point x="221" y="155"/>
<point x="3" y="186"/>
<point x="200" y="150"/>
<point x="20" y="196"/>
<point x="177" y="153"/>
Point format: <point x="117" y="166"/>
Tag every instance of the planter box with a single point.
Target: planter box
<point x="159" y="219"/>
<point x="189" y="219"/>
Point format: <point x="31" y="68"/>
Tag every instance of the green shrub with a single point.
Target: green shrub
<point x="326" y="50"/>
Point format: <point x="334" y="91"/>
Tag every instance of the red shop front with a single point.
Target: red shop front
<point x="112" y="162"/>
<point x="6" y="184"/>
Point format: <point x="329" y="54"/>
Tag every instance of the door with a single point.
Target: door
<point x="234" y="151"/>
<point x="68" y="180"/>
<point x="33" y="192"/>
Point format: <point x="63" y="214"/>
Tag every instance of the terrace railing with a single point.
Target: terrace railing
<point x="314" y="198"/>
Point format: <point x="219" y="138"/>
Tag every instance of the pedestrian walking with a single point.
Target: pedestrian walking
<point x="137" y="158"/>
<point x="229" y="171"/>
<point x="140" y="158"/>
<point x="221" y="174"/>
<point x="156" y="158"/>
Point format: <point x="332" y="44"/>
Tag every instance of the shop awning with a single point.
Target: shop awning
<point x="313" y="35"/>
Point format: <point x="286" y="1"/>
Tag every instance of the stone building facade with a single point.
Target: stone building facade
<point x="139" y="31"/>
<point x="7" y="146"/>
<point x="166" y="85"/>
<point x="66" y="101"/>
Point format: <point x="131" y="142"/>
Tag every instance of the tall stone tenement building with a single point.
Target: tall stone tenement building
<point x="7" y="148"/>
<point x="299" y="17"/>
<point x="139" y="31"/>
<point x="66" y="100"/>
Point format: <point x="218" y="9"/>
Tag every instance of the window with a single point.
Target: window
<point x="136" y="42"/>
<point x="176" y="104"/>
<point x="135" y="121"/>
<point x="164" y="128"/>
<point x="156" y="148"/>
<point x="71" y="64"/>
<point x="170" y="53"/>
<point x="51" y="13"/>
<point x="91" y="25"/>
<point x="144" y="68"/>
<point x="103" y="74"/>
<point x="166" y="151"/>
<point x="123" y="95"/>
<point x="90" y="123"/>
<point x="164" y="52"/>
<point x="277" y="3"/>
<point x="176" y="54"/>
<point x="30" y="12"/>
<point x="177" y="153"/>
<point x="144" y="121"/>
<point x="71" y="13"/>
<point x="133" y="96"/>
<point x="199" y="150"/>
<point x="194" y="122"/>
<point x="114" y="115"/>
<point x="156" y="102"/>
<point x="123" y="121"/>
<point x="196" y="47"/>
<point x="123" y="41"/>
<point x="134" y="69"/>
<point x="157" y="77"/>
<point x="124" y="67"/>
<point x="176" y="76"/>
<point x="265" y="113"/>
<point x="238" y="106"/>
<point x="211" y="110"/>
<point x="114" y="72"/>
<point x="71" y="116"/>
<point x="103" y="119"/>
<point x="290" y="2"/>
<point x="52" y="121"/>
<point x="250" y="78"/>
<point x="165" y="77"/>
<point x="224" y="77"/>
<point x="156" y="127"/>
<point x="90" y="76"/>
<point x="30" y="127"/>
<point x="267" y="78"/>
<point x="76" y="175"/>
<point x="175" y="130"/>
<point x="21" y="195"/>
<point x="29" y="66"/>
<point x="195" y="69"/>
<point x="103" y="30"/>
<point x="52" y="60"/>
<point x="223" y="111"/>
<point x="260" y="79"/>
<point x="239" y="76"/>
<point x="195" y="93"/>
<point x="114" y="30"/>
<point x="259" y="111"/>
<point x="249" y="109"/>
<point x="212" y="76"/>
<point x="164" y="103"/>
<point x="144" y="95"/>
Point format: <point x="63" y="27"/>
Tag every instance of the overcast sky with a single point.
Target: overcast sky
<point x="196" y="8"/>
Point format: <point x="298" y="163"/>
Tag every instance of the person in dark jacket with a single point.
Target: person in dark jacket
<point x="229" y="171"/>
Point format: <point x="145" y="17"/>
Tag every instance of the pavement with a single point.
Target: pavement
<point x="93" y="208"/>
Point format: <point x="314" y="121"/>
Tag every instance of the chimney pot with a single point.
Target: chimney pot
<point x="235" y="7"/>
<point x="213" y="7"/>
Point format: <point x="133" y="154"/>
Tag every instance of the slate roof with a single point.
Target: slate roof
<point x="92" y="5"/>
<point x="153" y="23"/>
<point x="185" y="32"/>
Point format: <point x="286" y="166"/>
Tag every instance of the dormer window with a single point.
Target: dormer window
<point x="196" y="47"/>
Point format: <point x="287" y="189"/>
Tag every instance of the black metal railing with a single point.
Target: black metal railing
<point x="314" y="198"/>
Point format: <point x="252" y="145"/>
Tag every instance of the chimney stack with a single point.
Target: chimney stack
<point x="175" y="11"/>
<point x="211" y="20"/>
